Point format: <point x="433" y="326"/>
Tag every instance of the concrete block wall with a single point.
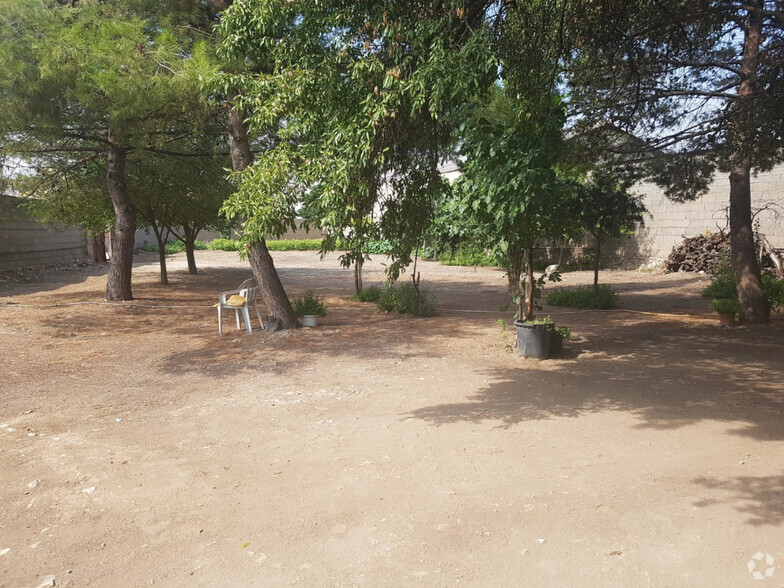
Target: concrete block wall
<point x="671" y="221"/>
<point x="28" y="242"/>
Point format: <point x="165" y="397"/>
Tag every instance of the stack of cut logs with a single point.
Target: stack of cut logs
<point x="699" y="254"/>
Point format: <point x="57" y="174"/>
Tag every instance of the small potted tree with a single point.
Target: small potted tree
<point x="727" y="308"/>
<point x="511" y="186"/>
<point x="309" y="308"/>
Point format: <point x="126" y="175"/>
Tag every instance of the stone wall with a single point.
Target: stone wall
<point x="25" y="241"/>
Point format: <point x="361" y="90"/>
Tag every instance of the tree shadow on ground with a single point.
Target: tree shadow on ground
<point x="352" y="331"/>
<point x="669" y="375"/>
<point x="761" y="497"/>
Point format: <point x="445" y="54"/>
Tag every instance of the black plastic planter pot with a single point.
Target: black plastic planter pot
<point x="533" y="340"/>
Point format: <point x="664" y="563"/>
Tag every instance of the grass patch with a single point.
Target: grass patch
<point x="585" y="297"/>
<point x="173" y="247"/>
<point x="294" y="245"/>
<point x="404" y="299"/>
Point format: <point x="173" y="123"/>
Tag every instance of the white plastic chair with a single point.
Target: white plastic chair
<point x="239" y="300"/>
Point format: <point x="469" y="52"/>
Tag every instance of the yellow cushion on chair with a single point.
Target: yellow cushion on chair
<point x="235" y="300"/>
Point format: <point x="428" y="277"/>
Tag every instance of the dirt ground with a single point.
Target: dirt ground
<point x="137" y="447"/>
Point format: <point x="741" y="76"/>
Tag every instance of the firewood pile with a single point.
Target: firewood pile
<point x="699" y="254"/>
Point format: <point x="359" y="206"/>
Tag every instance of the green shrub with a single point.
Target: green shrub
<point x="309" y="304"/>
<point x="585" y="297"/>
<point x="468" y="254"/>
<point x="723" y="287"/>
<point x="378" y="247"/>
<point x="294" y="245"/>
<point x="371" y="294"/>
<point x="725" y="305"/>
<point x="174" y="247"/>
<point x="226" y="245"/>
<point x="405" y="299"/>
<point x="773" y="290"/>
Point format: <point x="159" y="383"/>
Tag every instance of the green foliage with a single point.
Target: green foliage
<point x="406" y="299"/>
<point x="510" y="182"/>
<point x="725" y="305"/>
<point x="468" y="254"/>
<point x="352" y="95"/>
<point x="309" y="304"/>
<point x="295" y="245"/>
<point x="608" y="209"/>
<point x="226" y="245"/>
<point x="82" y="200"/>
<point x="371" y="294"/>
<point x="267" y="195"/>
<point x="585" y="297"/>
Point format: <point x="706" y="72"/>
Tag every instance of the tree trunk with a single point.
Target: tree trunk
<point x="161" y="254"/>
<point x="596" y="265"/>
<point x="270" y="287"/>
<point x="744" y="259"/>
<point x="96" y="248"/>
<point x="753" y="309"/>
<point x="514" y="269"/>
<point x="528" y="311"/>
<point x="358" y="276"/>
<point x="190" y="247"/>
<point x="118" y="285"/>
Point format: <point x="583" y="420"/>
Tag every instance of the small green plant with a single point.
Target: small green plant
<point x="406" y="299"/>
<point x="506" y="335"/>
<point x="309" y="305"/>
<point x="565" y="333"/>
<point x="725" y="305"/>
<point x="371" y="294"/>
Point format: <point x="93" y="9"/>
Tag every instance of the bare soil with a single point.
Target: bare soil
<point x="138" y="447"/>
